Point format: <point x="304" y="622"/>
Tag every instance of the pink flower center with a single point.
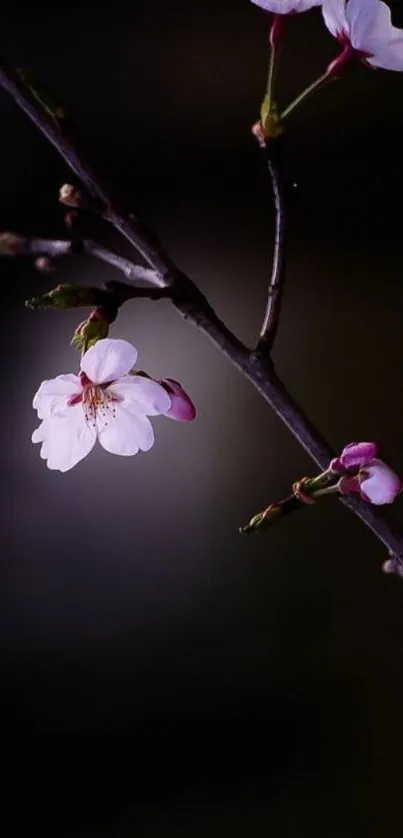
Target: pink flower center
<point x="97" y="401"/>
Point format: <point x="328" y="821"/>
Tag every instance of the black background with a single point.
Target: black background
<point x="162" y="675"/>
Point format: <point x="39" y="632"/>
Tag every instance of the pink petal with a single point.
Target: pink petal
<point x="370" y="24"/>
<point x="285" y="7"/>
<point x="357" y="454"/>
<point x="334" y="14"/>
<point x="108" y="360"/>
<point x="362" y="18"/>
<point x="182" y="408"/>
<point x="390" y="57"/>
<point x="379" y="484"/>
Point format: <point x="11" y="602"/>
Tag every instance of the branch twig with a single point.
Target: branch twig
<point x="17" y="245"/>
<point x="193" y="305"/>
<point x="273" y="151"/>
<point x="129" y="226"/>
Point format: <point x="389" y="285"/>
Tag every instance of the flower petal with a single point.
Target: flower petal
<point x="390" y="57"/>
<point x="370" y="24"/>
<point x="108" y="360"/>
<point x="53" y="395"/>
<point x="362" y="19"/>
<point x="379" y="484"/>
<point x="358" y="454"/>
<point x="141" y="394"/>
<point x="65" y="439"/>
<point x="182" y="408"/>
<point x="334" y="14"/>
<point x="284" y="7"/>
<point x="126" y="434"/>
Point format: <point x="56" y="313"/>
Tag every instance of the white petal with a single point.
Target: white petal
<point x="66" y="439"/>
<point x="108" y="360"/>
<point x="334" y="13"/>
<point x="40" y="433"/>
<point x="143" y="395"/>
<point x="284" y="7"/>
<point x="126" y="434"/>
<point x="52" y="396"/>
<point x="370" y="24"/>
<point x="390" y="57"/>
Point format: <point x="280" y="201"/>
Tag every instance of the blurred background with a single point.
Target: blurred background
<point x="162" y="675"/>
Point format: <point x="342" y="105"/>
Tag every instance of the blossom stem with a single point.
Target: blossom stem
<point x="27" y="246"/>
<point x="327" y="490"/>
<point x="316" y="85"/>
<point x="273" y="152"/>
<point x="272" y="70"/>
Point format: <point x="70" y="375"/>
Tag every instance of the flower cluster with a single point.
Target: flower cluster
<point x="106" y="401"/>
<point x="363" y="28"/>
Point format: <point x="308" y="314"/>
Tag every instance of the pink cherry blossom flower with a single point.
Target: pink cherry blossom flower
<point x="362" y="472"/>
<point x="103" y="402"/>
<point x="365" y="30"/>
<point x="286" y="7"/>
<point x="182" y="408"/>
<point x="375" y="482"/>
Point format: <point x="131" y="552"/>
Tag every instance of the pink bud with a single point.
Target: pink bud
<point x="358" y="454"/>
<point x="354" y="455"/>
<point x="259" y="132"/>
<point x="182" y="408"/>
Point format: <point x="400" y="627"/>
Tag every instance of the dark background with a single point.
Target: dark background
<point x="162" y="675"/>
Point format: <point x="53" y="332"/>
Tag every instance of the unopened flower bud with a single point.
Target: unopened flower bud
<point x="87" y="333"/>
<point x="70" y="195"/>
<point x="11" y="244"/>
<point x="64" y="296"/>
<point x="257" y="131"/>
<point x="182" y="408"/>
<point x="44" y="264"/>
<point x="393" y="565"/>
<point x="263" y="519"/>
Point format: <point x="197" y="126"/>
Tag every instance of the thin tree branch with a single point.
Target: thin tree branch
<point x="17" y="245"/>
<point x="273" y="151"/>
<point x="193" y="305"/>
<point x="129" y="225"/>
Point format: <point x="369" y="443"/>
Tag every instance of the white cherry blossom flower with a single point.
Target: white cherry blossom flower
<point x="286" y="7"/>
<point x="365" y="30"/>
<point x="103" y="402"/>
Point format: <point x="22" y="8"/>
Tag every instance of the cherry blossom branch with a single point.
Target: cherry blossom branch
<point x="273" y="151"/>
<point x="193" y="305"/>
<point x="12" y="244"/>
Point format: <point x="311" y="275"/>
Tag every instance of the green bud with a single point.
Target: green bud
<point x="64" y="296"/>
<point x="95" y="328"/>
<point x="262" y="519"/>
